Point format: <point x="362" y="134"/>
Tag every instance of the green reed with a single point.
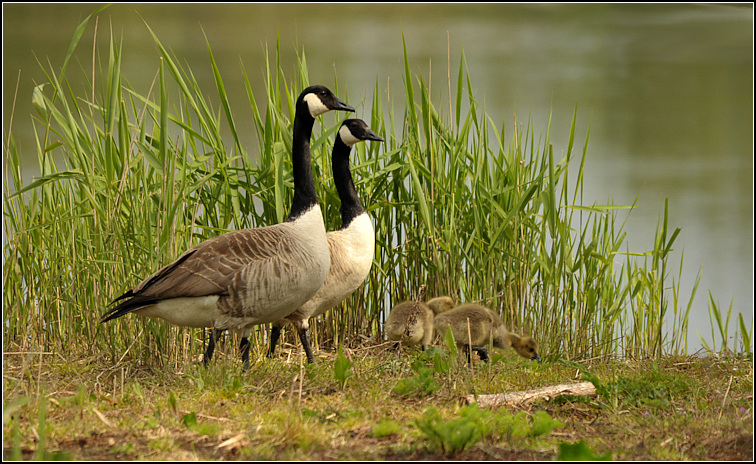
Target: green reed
<point x="469" y="208"/>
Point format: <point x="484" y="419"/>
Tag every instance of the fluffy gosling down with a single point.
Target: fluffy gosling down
<point x="411" y="323"/>
<point x="475" y="327"/>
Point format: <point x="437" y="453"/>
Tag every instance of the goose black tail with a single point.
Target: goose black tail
<point x="136" y="300"/>
<point x="134" y="303"/>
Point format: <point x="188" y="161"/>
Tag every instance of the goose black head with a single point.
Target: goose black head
<point x="319" y="100"/>
<point x="355" y="130"/>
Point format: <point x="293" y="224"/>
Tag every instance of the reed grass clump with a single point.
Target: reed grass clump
<point x="472" y="208"/>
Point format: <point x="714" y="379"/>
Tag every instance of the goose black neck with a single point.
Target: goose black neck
<point x="342" y="177"/>
<point x="304" y="186"/>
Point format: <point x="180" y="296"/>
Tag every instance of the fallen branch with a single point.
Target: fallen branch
<point x="524" y="397"/>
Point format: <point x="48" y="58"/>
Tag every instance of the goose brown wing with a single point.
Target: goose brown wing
<point x="209" y="268"/>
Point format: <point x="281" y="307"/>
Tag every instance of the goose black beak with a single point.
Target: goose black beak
<point x="370" y="135"/>
<point x="536" y="358"/>
<point x="340" y="105"/>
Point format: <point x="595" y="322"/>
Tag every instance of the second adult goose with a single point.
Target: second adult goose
<point x="250" y="276"/>
<point x="351" y="247"/>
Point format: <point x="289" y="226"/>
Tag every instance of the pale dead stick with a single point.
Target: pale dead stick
<point x="725" y="399"/>
<point x="524" y="397"/>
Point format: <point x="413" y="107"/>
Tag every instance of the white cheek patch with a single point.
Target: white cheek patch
<point x="315" y="105"/>
<point x="347" y="137"/>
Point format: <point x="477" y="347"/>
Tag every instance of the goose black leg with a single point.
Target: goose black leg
<point x="275" y="333"/>
<point x="214" y="335"/>
<point x="244" y="348"/>
<point x="304" y="337"/>
<point x="482" y="352"/>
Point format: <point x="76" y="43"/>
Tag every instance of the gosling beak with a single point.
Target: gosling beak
<point x="537" y="358"/>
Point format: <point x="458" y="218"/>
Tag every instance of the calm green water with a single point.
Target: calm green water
<point x="666" y="89"/>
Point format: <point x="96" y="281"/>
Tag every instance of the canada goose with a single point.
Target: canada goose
<point x="351" y="247"/>
<point x="251" y="276"/>
<point x="475" y="327"/>
<point x="411" y="322"/>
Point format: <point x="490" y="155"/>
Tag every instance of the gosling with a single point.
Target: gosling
<point x="411" y="323"/>
<point x="475" y="327"/>
<point x="441" y="304"/>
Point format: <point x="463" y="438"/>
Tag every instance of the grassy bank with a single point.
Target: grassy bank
<point x="390" y="407"/>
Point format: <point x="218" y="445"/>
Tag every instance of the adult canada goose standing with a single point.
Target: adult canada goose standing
<point x="475" y="327"/>
<point x="351" y="247"/>
<point x="411" y="322"/>
<point x="251" y="276"/>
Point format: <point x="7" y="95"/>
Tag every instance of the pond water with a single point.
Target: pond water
<point x="667" y="91"/>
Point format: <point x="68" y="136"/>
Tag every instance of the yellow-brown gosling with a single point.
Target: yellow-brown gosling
<point x="411" y="323"/>
<point x="475" y="327"/>
<point x="441" y="304"/>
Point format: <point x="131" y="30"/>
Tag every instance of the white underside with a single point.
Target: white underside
<point x="188" y="312"/>
<point x="352" y="251"/>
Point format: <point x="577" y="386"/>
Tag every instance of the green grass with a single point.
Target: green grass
<point x="467" y="206"/>
<point x="673" y="408"/>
